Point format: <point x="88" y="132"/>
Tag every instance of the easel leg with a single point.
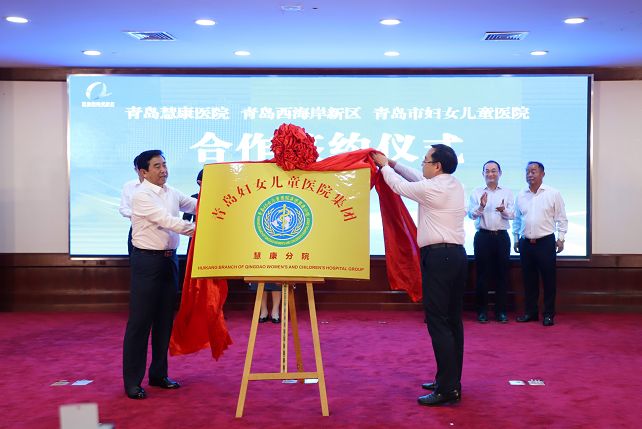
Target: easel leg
<point x="317" y="350"/>
<point x="250" y="349"/>
<point x="295" y="333"/>
<point x="285" y="298"/>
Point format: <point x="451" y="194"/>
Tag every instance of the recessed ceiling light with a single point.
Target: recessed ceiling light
<point x="577" y="20"/>
<point x="291" y="8"/>
<point x="205" y="22"/>
<point x="242" y="53"/>
<point x="390" y="21"/>
<point x="92" y="53"/>
<point x="391" y="54"/>
<point x="539" y="53"/>
<point x="17" y="19"/>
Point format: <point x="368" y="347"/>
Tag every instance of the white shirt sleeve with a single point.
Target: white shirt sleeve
<point x="125" y="208"/>
<point x="474" y="209"/>
<point x="561" y="221"/>
<point x="415" y="190"/>
<point x="509" y="206"/>
<point x="144" y="206"/>
<point x="410" y="174"/>
<point x="187" y="204"/>
<point x="517" y="219"/>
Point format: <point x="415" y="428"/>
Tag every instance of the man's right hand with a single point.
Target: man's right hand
<point x="483" y="200"/>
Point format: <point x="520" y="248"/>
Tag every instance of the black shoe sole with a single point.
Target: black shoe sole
<point x="449" y="401"/>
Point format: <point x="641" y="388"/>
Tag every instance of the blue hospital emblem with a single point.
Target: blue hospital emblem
<point x="283" y="220"/>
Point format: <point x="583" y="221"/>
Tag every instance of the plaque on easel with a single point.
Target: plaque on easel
<point x="261" y="223"/>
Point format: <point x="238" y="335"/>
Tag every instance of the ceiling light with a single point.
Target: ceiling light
<point x="390" y="21"/>
<point x="391" y="54"/>
<point x="577" y="20"/>
<point x="291" y="8"/>
<point x="205" y="22"/>
<point x="242" y="53"/>
<point x="17" y="19"/>
<point x="539" y="53"/>
<point x="92" y="53"/>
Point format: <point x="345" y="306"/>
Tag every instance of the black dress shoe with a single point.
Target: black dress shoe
<point x="276" y="320"/>
<point x="136" y="393"/>
<point x="263" y="319"/>
<point x="164" y="383"/>
<point x="501" y="318"/>
<point x="548" y="321"/>
<point x="432" y="385"/>
<point x="482" y="318"/>
<point x="440" y="398"/>
<point x="527" y="318"/>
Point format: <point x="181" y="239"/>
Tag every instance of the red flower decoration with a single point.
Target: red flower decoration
<point x="293" y="148"/>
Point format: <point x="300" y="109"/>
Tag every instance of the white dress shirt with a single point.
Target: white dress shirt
<point x="540" y="214"/>
<point x="129" y="188"/>
<point x="155" y="216"/>
<point x="487" y="217"/>
<point x="442" y="205"/>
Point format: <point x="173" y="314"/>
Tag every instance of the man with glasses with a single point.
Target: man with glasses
<point x="444" y="264"/>
<point x="491" y="207"/>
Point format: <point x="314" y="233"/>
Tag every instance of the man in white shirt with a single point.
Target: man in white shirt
<point x="154" y="273"/>
<point x="539" y="214"/>
<point x="444" y="263"/>
<point x="125" y="207"/>
<point x="491" y="207"/>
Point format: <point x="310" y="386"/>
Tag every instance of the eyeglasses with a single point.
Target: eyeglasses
<point x="424" y="162"/>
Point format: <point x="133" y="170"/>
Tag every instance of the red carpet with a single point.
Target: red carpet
<point x="374" y="364"/>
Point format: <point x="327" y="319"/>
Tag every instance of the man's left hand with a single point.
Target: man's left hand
<point x="559" y="246"/>
<point x="380" y="159"/>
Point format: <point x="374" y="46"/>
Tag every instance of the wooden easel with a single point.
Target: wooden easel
<point x="288" y="313"/>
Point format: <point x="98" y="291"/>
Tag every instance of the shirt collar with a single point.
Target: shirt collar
<point x="496" y="189"/>
<point x="157" y="189"/>
<point x="542" y="187"/>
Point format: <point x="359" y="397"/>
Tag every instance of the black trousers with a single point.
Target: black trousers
<point x="492" y="258"/>
<point x="154" y="283"/>
<point x="444" y="271"/>
<point x="537" y="259"/>
<point x="130" y="246"/>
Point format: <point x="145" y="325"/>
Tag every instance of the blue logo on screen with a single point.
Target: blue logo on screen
<point x="283" y="220"/>
<point x="96" y="91"/>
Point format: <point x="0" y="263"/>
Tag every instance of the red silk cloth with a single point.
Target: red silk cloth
<point x="200" y="323"/>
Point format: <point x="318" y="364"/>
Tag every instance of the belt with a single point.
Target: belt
<point x="165" y="253"/>
<point x="440" y="245"/>
<point x="536" y="240"/>
<point x="488" y="231"/>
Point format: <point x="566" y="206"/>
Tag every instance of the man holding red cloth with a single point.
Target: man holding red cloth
<point x="444" y="263"/>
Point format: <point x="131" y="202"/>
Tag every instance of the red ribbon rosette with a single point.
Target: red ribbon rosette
<point x="293" y="148"/>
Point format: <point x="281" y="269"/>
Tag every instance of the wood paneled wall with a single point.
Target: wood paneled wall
<point x="60" y="73"/>
<point x="54" y="282"/>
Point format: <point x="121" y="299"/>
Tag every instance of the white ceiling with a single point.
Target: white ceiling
<point x="324" y="34"/>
